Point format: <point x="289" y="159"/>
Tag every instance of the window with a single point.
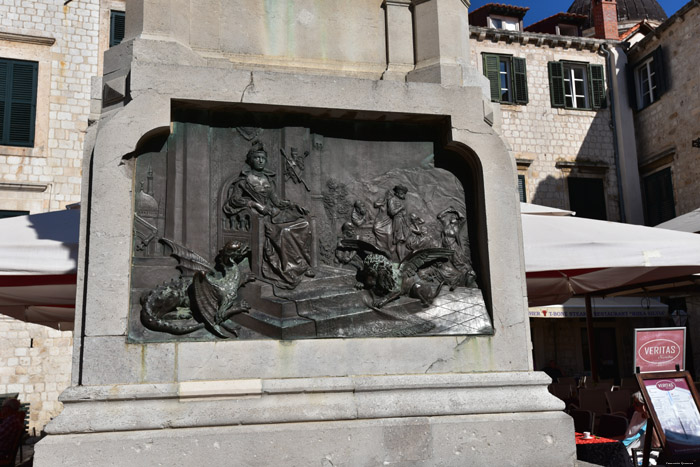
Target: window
<point x="647" y="80"/>
<point x="508" y="78"/>
<point x="508" y="24"/>
<point x="587" y="197"/>
<point x="522" y="189"/>
<point x="576" y="85"/>
<point x="646" y="84"/>
<point x="658" y="197"/>
<point x="116" y="27"/>
<point x="567" y="30"/>
<point x="18" y="81"/>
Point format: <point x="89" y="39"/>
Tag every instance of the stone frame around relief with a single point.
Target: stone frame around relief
<point x="460" y="311"/>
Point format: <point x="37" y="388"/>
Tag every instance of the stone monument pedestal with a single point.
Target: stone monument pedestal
<point x="469" y="419"/>
<point x="303" y="75"/>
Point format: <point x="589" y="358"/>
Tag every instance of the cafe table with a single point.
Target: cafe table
<point x="602" y="451"/>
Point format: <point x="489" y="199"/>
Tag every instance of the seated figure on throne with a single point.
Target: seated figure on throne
<point x="287" y="249"/>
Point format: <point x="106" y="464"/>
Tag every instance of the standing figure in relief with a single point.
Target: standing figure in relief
<point x="287" y="250"/>
<point x="458" y="271"/>
<point x="391" y="227"/>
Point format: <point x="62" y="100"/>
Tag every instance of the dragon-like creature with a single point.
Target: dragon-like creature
<point x="387" y="280"/>
<point x="206" y="300"/>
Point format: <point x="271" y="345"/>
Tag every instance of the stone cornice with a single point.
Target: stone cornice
<point x="12" y="186"/>
<point x="403" y="3"/>
<point x="523" y="163"/>
<point x="583" y="166"/>
<point x="535" y="38"/>
<point x="27" y="39"/>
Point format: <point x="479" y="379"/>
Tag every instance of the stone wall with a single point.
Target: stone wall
<point x="63" y="39"/>
<point x="552" y="143"/>
<point x="35" y="361"/>
<point x="669" y="125"/>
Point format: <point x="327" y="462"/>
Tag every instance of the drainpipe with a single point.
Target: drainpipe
<point x="609" y="69"/>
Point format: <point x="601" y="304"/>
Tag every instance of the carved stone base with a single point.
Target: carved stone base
<point x="475" y="419"/>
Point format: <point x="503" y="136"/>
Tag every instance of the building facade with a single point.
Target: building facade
<point x="666" y="99"/>
<point x="50" y="54"/>
<point x="579" y="151"/>
<point x="563" y="145"/>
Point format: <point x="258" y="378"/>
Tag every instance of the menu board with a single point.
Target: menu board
<point x="673" y="404"/>
<point x="659" y="349"/>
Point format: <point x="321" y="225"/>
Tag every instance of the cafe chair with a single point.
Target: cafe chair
<point x="8" y="458"/>
<point x="583" y="420"/>
<point x="602" y="386"/>
<point x="619" y="401"/>
<point x="567" y="380"/>
<point x="612" y="426"/>
<point x="593" y="400"/>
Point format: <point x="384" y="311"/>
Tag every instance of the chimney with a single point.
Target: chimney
<point x="605" y="19"/>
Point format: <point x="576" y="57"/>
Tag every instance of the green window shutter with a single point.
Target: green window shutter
<point x="520" y="80"/>
<point x="23" y="105"/>
<point x="521" y="189"/>
<point x="18" y="82"/>
<point x="659" y="72"/>
<point x="491" y="71"/>
<point x="4" y="66"/>
<point x="116" y="27"/>
<point x="597" y="79"/>
<point x="556" y="84"/>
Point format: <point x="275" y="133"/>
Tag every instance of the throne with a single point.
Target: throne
<point x="247" y="226"/>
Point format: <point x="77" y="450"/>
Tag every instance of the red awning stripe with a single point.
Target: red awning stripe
<point x="29" y="280"/>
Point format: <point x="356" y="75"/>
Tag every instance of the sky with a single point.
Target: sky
<point x="540" y="9"/>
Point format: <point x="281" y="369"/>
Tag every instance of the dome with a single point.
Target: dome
<point x="146" y="205"/>
<point x="627" y="11"/>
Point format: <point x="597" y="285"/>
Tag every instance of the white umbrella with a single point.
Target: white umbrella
<point x="567" y="256"/>
<point x="689" y="222"/>
<point x="38" y="260"/>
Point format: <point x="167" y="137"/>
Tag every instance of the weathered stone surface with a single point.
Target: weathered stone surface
<point x="255" y="401"/>
<point x="35" y="362"/>
<point x="479" y="440"/>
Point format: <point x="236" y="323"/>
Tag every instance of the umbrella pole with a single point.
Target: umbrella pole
<point x="592" y="351"/>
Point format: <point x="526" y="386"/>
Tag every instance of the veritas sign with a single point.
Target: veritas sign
<point x="659" y="349"/>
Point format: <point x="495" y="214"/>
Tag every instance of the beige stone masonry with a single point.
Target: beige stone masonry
<point x="35" y="361"/>
<point x="556" y="142"/>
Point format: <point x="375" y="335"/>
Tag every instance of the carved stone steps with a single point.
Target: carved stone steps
<point x="277" y="328"/>
<point x="279" y="303"/>
<point x="325" y="306"/>
<point x="328" y="280"/>
<point x="354" y="318"/>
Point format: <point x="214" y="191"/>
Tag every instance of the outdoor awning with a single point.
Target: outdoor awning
<point x="567" y="256"/>
<point x="38" y="262"/>
<point x="689" y="222"/>
<point x="611" y="307"/>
